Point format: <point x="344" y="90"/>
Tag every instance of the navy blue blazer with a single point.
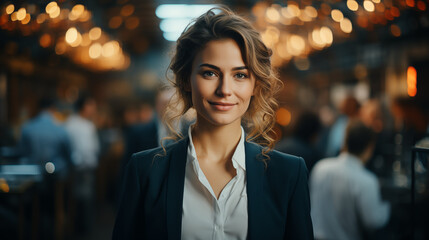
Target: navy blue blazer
<point x="152" y="195"/>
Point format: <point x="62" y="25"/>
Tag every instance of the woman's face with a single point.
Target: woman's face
<point x="221" y="83"/>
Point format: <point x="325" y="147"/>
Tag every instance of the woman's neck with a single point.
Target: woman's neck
<point x="215" y="143"/>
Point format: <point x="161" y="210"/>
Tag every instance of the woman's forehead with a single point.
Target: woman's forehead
<point x="221" y="53"/>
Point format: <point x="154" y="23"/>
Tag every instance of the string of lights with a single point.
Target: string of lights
<point x="69" y="30"/>
<point x="296" y="29"/>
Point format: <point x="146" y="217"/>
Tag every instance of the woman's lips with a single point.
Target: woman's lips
<point x="222" y="106"/>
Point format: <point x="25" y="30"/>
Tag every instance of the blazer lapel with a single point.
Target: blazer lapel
<point x="255" y="171"/>
<point x="175" y="187"/>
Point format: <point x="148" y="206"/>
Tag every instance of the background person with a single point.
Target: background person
<point x="303" y="140"/>
<point x="345" y="197"/>
<point x="44" y="139"/>
<point x="349" y="109"/>
<point x="86" y="147"/>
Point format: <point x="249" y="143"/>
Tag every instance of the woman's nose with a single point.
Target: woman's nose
<point x="224" y="88"/>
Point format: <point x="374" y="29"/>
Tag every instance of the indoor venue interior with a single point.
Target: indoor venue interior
<point x="84" y="85"/>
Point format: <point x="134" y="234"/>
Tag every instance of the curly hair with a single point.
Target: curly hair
<point x="220" y="23"/>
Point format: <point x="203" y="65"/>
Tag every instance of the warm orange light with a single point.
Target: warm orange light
<point x="4" y="186"/>
<point x="283" y="52"/>
<point x="380" y="7"/>
<point x="346" y="25"/>
<point x="53" y="10"/>
<point x="395" y="12"/>
<point x="395" y="30"/>
<point x="20" y="14"/>
<point x="412" y="92"/>
<point x="132" y="23"/>
<point x="95" y="33"/>
<point x="304" y="16"/>
<point x="325" y="8"/>
<point x="374" y="19"/>
<point x="60" y="48"/>
<point x="77" y="10"/>
<point x="3" y="19"/>
<point x="95" y="50"/>
<point x="311" y="11"/>
<point x="64" y="13"/>
<point x="26" y="19"/>
<point x="272" y="15"/>
<point x="410" y="3"/>
<point x="388" y="15"/>
<point x="352" y="5"/>
<point x="294" y="10"/>
<point x="127" y="10"/>
<point x="411" y="81"/>
<point x="86" y="16"/>
<point x="110" y="48"/>
<point x="297" y="43"/>
<point x="368" y="6"/>
<point x="41" y="18"/>
<point x="271" y="36"/>
<point x="326" y="35"/>
<point x="13" y="17"/>
<point x="362" y="21"/>
<point x="337" y="15"/>
<point x="77" y="41"/>
<point x="283" y="116"/>
<point x="71" y="35"/>
<point x="10" y="8"/>
<point x="115" y="22"/>
<point x="86" y="40"/>
<point x="51" y="7"/>
<point x="45" y="40"/>
<point x="316" y="40"/>
<point x="421" y="5"/>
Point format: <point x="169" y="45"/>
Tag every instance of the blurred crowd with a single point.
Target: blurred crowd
<point x="358" y="157"/>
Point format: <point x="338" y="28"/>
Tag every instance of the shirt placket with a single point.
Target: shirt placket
<point x="220" y="207"/>
<point x="218" y="225"/>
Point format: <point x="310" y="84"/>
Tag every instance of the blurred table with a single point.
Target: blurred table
<point x="18" y="185"/>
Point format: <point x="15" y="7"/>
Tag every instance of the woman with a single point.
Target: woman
<point x="216" y="184"/>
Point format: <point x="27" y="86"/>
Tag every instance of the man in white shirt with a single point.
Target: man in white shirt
<point x="85" y="149"/>
<point x="345" y="197"/>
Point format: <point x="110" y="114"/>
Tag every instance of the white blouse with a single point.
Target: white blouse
<point x="206" y="217"/>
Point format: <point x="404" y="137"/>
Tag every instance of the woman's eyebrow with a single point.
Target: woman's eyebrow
<point x="210" y="66"/>
<point x="240" y="68"/>
<point x="218" y="69"/>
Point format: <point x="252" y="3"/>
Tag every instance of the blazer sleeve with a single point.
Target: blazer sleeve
<point x="298" y="223"/>
<point x="129" y="210"/>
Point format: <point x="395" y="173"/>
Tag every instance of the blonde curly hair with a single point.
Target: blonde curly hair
<point x="220" y="23"/>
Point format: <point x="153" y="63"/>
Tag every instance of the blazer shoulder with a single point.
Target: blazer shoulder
<point x="286" y="162"/>
<point x="277" y="160"/>
<point x="148" y="157"/>
<point x="289" y="158"/>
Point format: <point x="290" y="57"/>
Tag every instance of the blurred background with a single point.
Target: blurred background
<point x="80" y="90"/>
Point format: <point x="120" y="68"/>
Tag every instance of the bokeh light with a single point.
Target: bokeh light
<point x="10" y="8"/>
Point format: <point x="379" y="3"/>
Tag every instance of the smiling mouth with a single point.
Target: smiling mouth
<point x="222" y="104"/>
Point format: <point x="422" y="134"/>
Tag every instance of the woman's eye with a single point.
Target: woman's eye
<point x="240" y="75"/>
<point x="209" y="74"/>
